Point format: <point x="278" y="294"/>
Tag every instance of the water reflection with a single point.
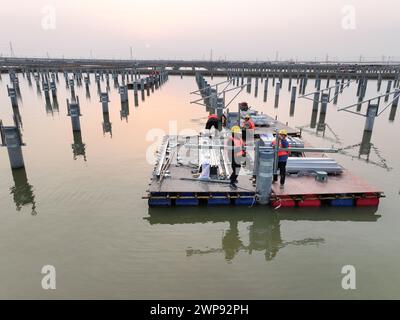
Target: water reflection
<point x="22" y="191"/>
<point x="87" y="92"/>
<point x="365" y="147"/>
<point x="393" y="110"/>
<point x="125" y="109"/>
<point x="264" y="233"/>
<point x="314" y="115"/>
<point x="17" y="117"/>
<point x="55" y="104"/>
<point x="107" y="126"/>
<point x="78" y="147"/>
<point x="48" y="106"/>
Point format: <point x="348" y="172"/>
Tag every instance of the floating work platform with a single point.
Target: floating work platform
<point x="174" y="181"/>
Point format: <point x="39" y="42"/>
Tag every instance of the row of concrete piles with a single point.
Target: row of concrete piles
<point x="321" y="97"/>
<point x="340" y="82"/>
<point x="11" y="136"/>
<point x="277" y="83"/>
<point x="148" y="82"/>
<point x="47" y="81"/>
<point x="214" y="103"/>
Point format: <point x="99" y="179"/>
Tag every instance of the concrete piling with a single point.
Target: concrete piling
<point x="45" y="87"/>
<point x="265" y="89"/>
<point x="66" y="79"/>
<point x="379" y="84"/>
<point x="395" y="103"/>
<point x="142" y="88"/>
<point x="342" y="84"/>
<point x="359" y="104"/>
<point x="388" y="88"/>
<point x="317" y="83"/>
<point x="147" y="86"/>
<point x="53" y="88"/>
<point x="322" y="114"/>
<point x="219" y="111"/>
<point x="135" y="99"/>
<point x="305" y="80"/>
<point x="123" y="91"/>
<point x="107" y="125"/>
<point x="293" y="100"/>
<point x="277" y="90"/>
<point x="300" y="81"/>
<point x="335" y="99"/>
<point x="124" y="112"/>
<point x="264" y="175"/>
<point x="364" y="87"/>
<point x="104" y="99"/>
<point x="74" y="112"/>
<point x="314" y="115"/>
<point x="72" y="88"/>
<point x="12" y="139"/>
<point x="365" y="145"/>
<point x="12" y="93"/>
<point x="372" y="112"/>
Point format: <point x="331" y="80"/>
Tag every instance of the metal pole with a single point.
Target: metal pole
<point x="395" y="103"/>
<point x="372" y="112"/>
<point x="265" y="88"/>
<point x="277" y="89"/>
<point x="264" y="175"/>
<point x="293" y="100"/>
<point x="276" y="147"/>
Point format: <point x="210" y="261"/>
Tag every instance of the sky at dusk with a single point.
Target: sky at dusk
<point x="221" y="29"/>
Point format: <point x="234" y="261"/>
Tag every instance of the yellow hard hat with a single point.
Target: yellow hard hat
<point x="283" y="132"/>
<point x="236" y="129"/>
<point x="247" y="116"/>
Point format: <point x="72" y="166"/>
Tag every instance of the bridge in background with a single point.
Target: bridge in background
<point x="372" y="70"/>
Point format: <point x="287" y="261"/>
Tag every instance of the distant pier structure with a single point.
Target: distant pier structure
<point x="258" y="69"/>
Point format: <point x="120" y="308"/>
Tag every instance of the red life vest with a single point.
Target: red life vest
<point x="248" y="124"/>
<point x="212" y="116"/>
<point x="237" y="143"/>
<point x="281" y="153"/>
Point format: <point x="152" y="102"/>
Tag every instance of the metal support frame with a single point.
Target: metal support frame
<point x="346" y="84"/>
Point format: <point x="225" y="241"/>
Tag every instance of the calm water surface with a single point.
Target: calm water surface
<point x="83" y="213"/>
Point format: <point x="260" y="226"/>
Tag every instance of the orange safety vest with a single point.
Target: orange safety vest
<point x="281" y="153"/>
<point x="238" y="143"/>
<point x="212" y="116"/>
<point x="249" y="123"/>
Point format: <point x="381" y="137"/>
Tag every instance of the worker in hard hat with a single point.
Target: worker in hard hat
<point x="248" y="125"/>
<point x="282" y="157"/>
<point x="237" y="153"/>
